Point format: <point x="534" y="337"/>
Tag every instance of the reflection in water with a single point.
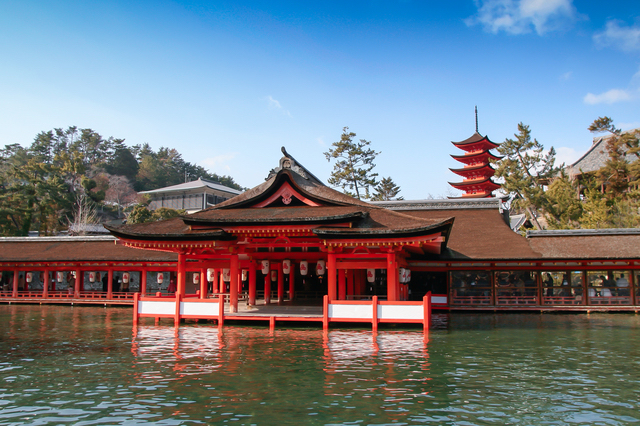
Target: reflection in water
<point x="83" y="365"/>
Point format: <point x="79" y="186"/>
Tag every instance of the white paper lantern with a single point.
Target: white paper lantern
<point x="371" y="275"/>
<point x="401" y="275"/>
<point x="160" y="277"/>
<point x="60" y="276"/>
<point x="274" y="275"/>
<point x="125" y="277"/>
<point x="226" y="275"/>
<point x="321" y="267"/>
<point x="286" y="266"/>
<point x="245" y="274"/>
<point x="92" y="277"/>
<point x="264" y="265"/>
<point x="408" y="278"/>
<point x="304" y="267"/>
<point x="29" y="277"/>
<point x="211" y="273"/>
<point x="196" y="278"/>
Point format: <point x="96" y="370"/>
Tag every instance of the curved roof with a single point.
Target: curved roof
<point x="476" y="142"/>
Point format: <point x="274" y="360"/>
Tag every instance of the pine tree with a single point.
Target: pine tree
<point x="386" y="190"/>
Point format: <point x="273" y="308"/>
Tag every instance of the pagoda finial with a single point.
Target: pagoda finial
<point x="476" y="118"/>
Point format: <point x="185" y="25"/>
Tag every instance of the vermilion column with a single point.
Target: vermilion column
<point x="221" y="281"/>
<point x="392" y="277"/>
<point x="143" y="282"/>
<point x="16" y="277"/>
<point x="78" y="283"/>
<point x="110" y="284"/>
<point x="331" y="277"/>
<point x="233" y="297"/>
<point x="204" y="285"/>
<point x="280" y="284"/>
<point x="45" y="285"/>
<point x="292" y="282"/>
<point x="182" y="274"/>
<point x="252" y="283"/>
<point x="342" y="284"/>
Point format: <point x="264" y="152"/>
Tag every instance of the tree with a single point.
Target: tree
<point x="563" y="207"/>
<point x="386" y="190"/>
<point x="120" y="192"/>
<point x="526" y="170"/>
<point x="353" y="170"/>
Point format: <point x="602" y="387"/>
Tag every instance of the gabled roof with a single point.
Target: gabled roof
<point x="196" y="184"/>
<point x="290" y="196"/>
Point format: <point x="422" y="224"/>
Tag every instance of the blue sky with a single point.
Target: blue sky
<point x="229" y="83"/>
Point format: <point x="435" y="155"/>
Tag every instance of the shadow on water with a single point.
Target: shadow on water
<point x="86" y="365"/>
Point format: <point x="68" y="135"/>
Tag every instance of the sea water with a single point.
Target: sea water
<point x="63" y="365"/>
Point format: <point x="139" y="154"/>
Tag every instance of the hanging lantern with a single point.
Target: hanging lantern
<point x="321" y="267"/>
<point x="264" y="266"/>
<point x="371" y="275"/>
<point x="29" y="277"/>
<point x="196" y="278"/>
<point x="408" y="278"/>
<point x="304" y="267"/>
<point x="125" y="277"/>
<point x="286" y="266"/>
<point x="92" y="277"/>
<point x="403" y="275"/>
<point x="160" y="277"/>
<point x="211" y="273"/>
<point x="245" y="274"/>
<point x="60" y="276"/>
<point x="226" y="275"/>
<point x="274" y="275"/>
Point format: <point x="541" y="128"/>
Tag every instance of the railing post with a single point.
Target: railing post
<point x="220" y="311"/>
<point x="136" y="296"/>
<point x="374" y="317"/>
<point x="426" y="321"/>
<point x="325" y="312"/>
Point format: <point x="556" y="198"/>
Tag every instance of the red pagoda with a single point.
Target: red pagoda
<point x="477" y="172"/>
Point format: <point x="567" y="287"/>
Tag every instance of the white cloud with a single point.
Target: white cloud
<point x="619" y="36"/>
<point x="218" y="162"/>
<point x="566" y="76"/>
<point x="609" y="97"/>
<point x="629" y="126"/>
<point x="321" y="142"/>
<point x="566" y="155"/>
<point x="521" y="16"/>
<point x="274" y="104"/>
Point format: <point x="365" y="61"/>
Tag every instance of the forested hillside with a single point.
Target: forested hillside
<point x="74" y="175"/>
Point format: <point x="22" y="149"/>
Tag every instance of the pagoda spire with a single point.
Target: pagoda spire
<point x="477" y="172"/>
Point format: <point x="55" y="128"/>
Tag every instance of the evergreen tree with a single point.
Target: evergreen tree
<point x="353" y="170"/>
<point x="386" y="190"/>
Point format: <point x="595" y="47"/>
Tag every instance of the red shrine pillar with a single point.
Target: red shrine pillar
<point x="342" y="284"/>
<point x="78" y="284"/>
<point x="331" y="277"/>
<point x="143" y="283"/>
<point x="45" y="284"/>
<point x="215" y="283"/>
<point x="110" y="284"/>
<point x="233" y="297"/>
<point x="292" y="282"/>
<point x="392" y="277"/>
<point x="267" y="288"/>
<point x="280" y="284"/>
<point x="204" y="284"/>
<point x="182" y="274"/>
<point x="221" y="285"/>
<point x="252" y="283"/>
<point x="16" y="277"/>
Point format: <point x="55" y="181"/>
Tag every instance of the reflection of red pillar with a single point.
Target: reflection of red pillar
<point x="280" y="284"/>
<point x="342" y="285"/>
<point x="182" y="274"/>
<point x="203" y="284"/>
<point x="331" y="276"/>
<point x="233" y="297"/>
<point x="292" y="282"/>
<point x="252" y="283"/>
<point x="45" y="284"/>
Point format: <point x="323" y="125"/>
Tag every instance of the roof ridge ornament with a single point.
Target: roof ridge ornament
<point x="287" y="162"/>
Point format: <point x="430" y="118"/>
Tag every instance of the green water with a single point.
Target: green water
<point x="87" y="366"/>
